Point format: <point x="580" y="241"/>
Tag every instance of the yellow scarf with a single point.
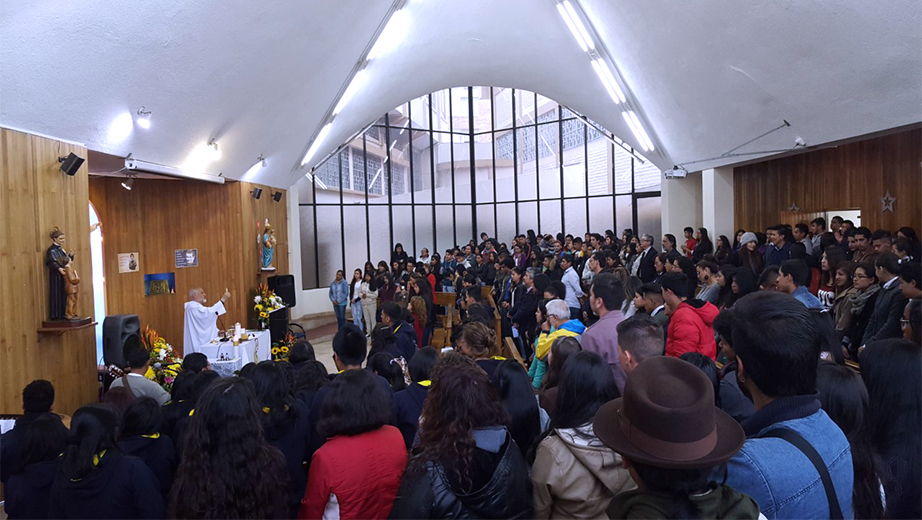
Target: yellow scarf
<point x="152" y="435"/>
<point x="427" y="382"/>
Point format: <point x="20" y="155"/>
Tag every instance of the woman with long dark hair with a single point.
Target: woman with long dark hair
<point x="845" y="399"/>
<point x="355" y="297"/>
<point x="466" y="464"/>
<point x="84" y="487"/>
<point x="286" y="424"/>
<point x="744" y="282"/>
<point x="912" y="321"/>
<point x="862" y="306"/>
<point x="399" y="255"/>
<point x="685" y="265"/>
<point x="749" y="254"/>
<point x="575" y="475"/>
<point x="724" y="253"/>
<point x="228" y="468"/>
<point x="310" y="377"/>
<point x="517" y="395"/>
<point x="830" y="261"/>
<point x="28" y="488"/>
<point x="140" y="437"/>
<point x="890" y="370"/>
<point x="704" y="246"/>
<point x="356" y="473"/>
<point x="561" y="350"/>
<point x="724" y="280"/>
<point x="845" y="291"/>
<point x="386" y="366"/>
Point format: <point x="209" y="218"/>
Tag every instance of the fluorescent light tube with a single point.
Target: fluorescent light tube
<point x="578" y="23"/>
<point x="634" y="130"/>
<point x="566" y="18"/>
<point x="354" y="86"/>
<point x="611" y="92"/>
<point x="316" y="144"/>
<point x="643" y="131"/>
<point x="610" y="78"/>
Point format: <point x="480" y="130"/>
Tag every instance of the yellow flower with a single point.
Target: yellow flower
<point x="150" y="374"/>
<point x="284" y="350"/>
<point x="259" y="307"/>
<point x="263" y="314"/>
<point x="275" y="351"/>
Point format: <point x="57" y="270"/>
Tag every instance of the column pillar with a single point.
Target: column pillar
<point x="717" y="202"/>
<point x="681" y="204"/>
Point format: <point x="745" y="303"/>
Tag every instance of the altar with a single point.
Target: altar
<point x="226" y="358"/>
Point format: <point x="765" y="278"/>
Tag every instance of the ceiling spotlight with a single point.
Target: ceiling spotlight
<point x="143" y="118"/>
<point x="277" y="196"/>
<point x="215" y="152"/>
<point x="128" y="182"/>
<point x="256" y="193"/>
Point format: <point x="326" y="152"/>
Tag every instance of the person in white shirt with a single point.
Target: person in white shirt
<point x="424" y="255"/>
<point x="201" y="321"/>
<point x="571" y="281"/>
<point x="134" y="380"/>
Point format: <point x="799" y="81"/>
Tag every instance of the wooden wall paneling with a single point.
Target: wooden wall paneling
<point x="850" y="176"/>
<point x="35" y="196"/>
<point x="159" y="216"/>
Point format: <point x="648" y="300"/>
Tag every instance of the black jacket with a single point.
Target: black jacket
<point x="409" y="405"/>
<point x="119" y="487"/>
<point x="431" y="494"/>
<point x="885" y="319"/>
<point x="291" y="434"/>
<point x="647" y="269"/>
<point x="27" y="493"/>
<point x="524" y="310"/>
<point x="11" y="446"/>
<point x="159" y="455"/>
<point x="405" y="335"/>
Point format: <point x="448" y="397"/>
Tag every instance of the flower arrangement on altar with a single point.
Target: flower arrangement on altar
<point x="164" y="363"/>
<point x="265" y="302"/>
<point x="281" y="350"/>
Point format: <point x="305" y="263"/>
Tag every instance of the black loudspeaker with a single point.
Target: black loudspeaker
<point x="278" y="324"/>
<point x="71" y="163"/>
<point x="118" y="331"/>
<point x="284" y="287"/>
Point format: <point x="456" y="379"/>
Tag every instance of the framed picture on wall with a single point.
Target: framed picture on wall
<point x="186" y="258"/>
<point x="128" y="262"/>
<point x="161" y="283"/>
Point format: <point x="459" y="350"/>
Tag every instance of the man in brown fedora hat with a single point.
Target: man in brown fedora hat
<point x="672" y="439"/>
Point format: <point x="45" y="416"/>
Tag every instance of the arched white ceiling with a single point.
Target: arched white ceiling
<point x="261" y="76"/>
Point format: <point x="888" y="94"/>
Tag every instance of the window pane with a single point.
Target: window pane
<point x="623" y="161"/>
<point x="525" y="161"/>
<point x="444" y="226"/>
<point x="308" y="271"/>
<point x="485" y="222"/>
<point x="380" y="232"/>
<point x="484" y="175"/>
<point x="528" y="216"/>
<point x="483" y="121"/>
<point x="460" y="103"/>
<point x="305" y="190"/>
<point x="574" y="170"/>
<point x="505" y="223"/>
<point x="443" y="186"/>
<point x="600" y="167"/>
<point x="440" y="113"/>
<point x="375" y="165"/>
<point x="548" y="161"/>
<point x="422" y="166"/>
<point x="547" y="109"/>
<point x="355" y="233"/>
<point x="601" y="214"/>
<point x="424" y="237"/>
<point x="575" y="215"/>
<point x="649" y="218"/>
<point x="647" y="177"/>
<point x="502" y="107"/>
<point x="505" y="173"/>
<point x="623" y="214"/>
<point x="464" y="224"/>
<point x="462" y="172"/>
<point x="550" y="216"/>
<point x="419" y="112"/>
<point x="399" y="164"/>
<point x="330" y="246"/>
<point x="525" y="108"/>
<point x="403" y="228"/>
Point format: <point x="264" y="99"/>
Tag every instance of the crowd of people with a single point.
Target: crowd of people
<point x="775" y="375"/>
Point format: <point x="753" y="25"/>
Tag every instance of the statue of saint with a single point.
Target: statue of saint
<point x="56" y="259"/>
<point x="71" y="288"/>
<point x="268" y="243"/>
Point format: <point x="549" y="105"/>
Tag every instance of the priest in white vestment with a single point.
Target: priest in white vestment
<point x="201" y="321"/>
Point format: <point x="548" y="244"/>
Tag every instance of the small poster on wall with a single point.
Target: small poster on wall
<point x="161" y="283"/>
<point x="186" y="258"/>
<point x="128" y="262"/>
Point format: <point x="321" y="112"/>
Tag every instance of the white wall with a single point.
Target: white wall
<point x="682" y="204"/>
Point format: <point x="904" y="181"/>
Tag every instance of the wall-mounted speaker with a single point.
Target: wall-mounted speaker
<point x="256" y="193"/>
<point x="277" y="196"/>
<point x="71" y="163"/>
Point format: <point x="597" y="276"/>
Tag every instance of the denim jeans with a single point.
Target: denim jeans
<point x="340" y="311"/>
<point x="357" y="315"/>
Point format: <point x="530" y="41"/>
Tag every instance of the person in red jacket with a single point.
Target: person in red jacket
<point x="691" y="322"/>
<point x="356" y="473"/>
